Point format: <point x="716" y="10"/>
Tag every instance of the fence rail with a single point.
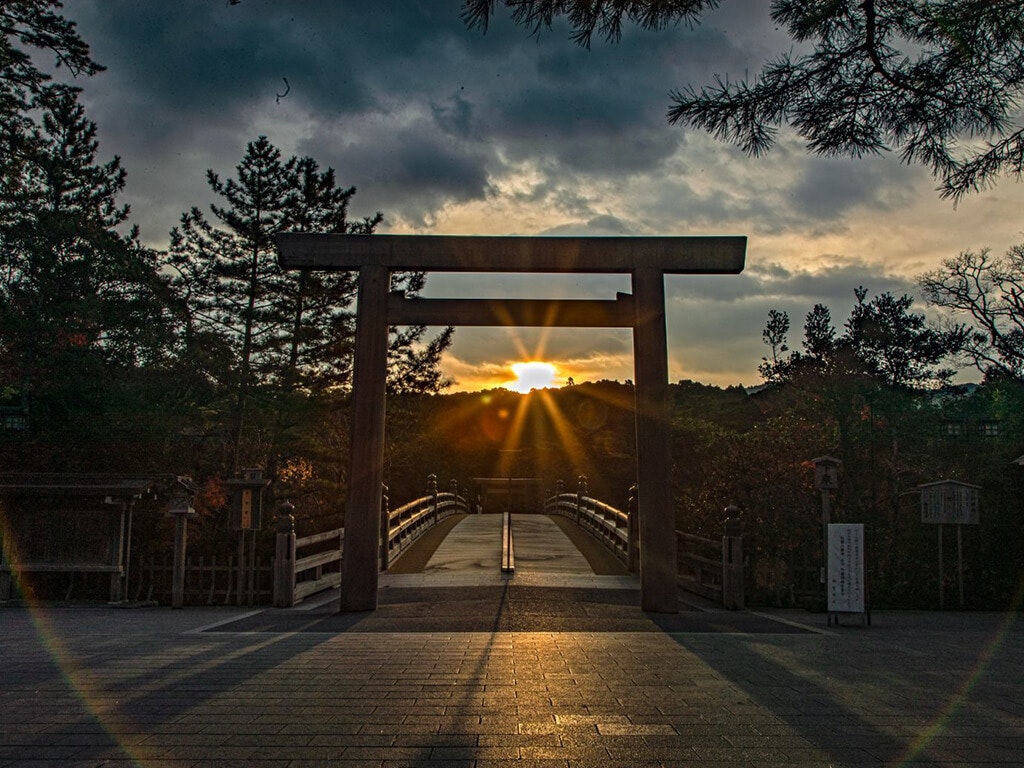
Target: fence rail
<point x="208" y="581"/>
<point x="712" y="569"/>
<point x="410" y="521"/>
<point x="603" y="521"/>
<point x="296" y="578"/>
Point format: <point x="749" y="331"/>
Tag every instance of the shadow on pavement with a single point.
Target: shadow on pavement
<point x="507" y="608"/>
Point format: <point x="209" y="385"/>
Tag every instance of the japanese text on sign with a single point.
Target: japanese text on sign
<point x="846" y="567"/>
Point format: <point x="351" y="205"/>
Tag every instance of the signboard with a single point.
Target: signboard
<point x="846" y="567"/>
<point x="246" y="508"/>
<point x="825" y="476"/>
<point x="949" y="501"/>
<point x="247" y="500"/>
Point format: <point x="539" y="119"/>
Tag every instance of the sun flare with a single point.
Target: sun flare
<point x="532" y="375"/>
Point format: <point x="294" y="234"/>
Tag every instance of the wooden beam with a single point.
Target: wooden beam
<point x="474" y="253"/>
<point x="549" y="313"/>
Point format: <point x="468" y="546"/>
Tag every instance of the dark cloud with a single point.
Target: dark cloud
<point x="830" y="187"/>
<point x="409" y="172"/>
<point x="421" y="114"/>
<point x="204" y="74"/>
<point x="772" y="282"/>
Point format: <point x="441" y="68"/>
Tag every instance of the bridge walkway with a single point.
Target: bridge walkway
<point x="548" y="551"/>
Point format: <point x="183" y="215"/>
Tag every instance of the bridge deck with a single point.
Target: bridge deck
<point x="470" y="555"/>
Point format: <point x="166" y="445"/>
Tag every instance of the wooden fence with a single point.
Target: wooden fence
<point x="603" y="521"/>
<point x="296" y="578"/>
<point x="709" y="568"/>
<point x="208" y="581"/>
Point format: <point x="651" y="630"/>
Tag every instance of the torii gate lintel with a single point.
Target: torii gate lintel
<point x="646" y="259"/>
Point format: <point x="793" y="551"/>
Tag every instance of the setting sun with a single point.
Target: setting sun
<point x="532" y="375"/>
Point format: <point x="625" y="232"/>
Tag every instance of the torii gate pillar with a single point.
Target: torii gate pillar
<point x="360" y="565"/>
<point x="646" y="259"/>
<point x="658" y="558"/>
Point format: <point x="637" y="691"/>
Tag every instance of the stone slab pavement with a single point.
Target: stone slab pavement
<point x="92" y="685"/>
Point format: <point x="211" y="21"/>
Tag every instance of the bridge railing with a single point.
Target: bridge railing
<point x="707" y="567"/>
<point x="699" y="562"/>
<point x="410" y="521"/>
<point x="297" y="577"/>
<point x="713" y="568"/>
<point x="603" y="521"/>
<point x="321" y="570"/>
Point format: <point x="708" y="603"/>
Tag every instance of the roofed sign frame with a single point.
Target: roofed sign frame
<point x="646" y="259"/>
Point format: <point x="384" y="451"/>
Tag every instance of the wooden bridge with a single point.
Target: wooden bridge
<point x="567" y="539"/>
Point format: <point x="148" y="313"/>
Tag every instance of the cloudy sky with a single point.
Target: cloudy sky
<point x="447" y="130"/>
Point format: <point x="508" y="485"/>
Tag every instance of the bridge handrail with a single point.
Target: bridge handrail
<point x="303" y="588"/>
<point x="699" y="562"/>
<point x="403" y="525"/>
<point x="410" y="521"/>
<point x="708" y="567"/>
<point x="606" y="523"/>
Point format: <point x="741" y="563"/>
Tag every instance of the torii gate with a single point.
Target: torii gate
<point x="646" y="259"/>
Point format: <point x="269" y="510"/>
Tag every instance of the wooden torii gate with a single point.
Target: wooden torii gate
<point x="645" y="259"/>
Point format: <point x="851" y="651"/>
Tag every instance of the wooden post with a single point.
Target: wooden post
<point x="240" y="580"/>
<point x="385" y="530"/>
<point x="632" y="533"/>
<point x="942" y="592"/>
<point x="366" y="464"/>
<point x="6" y="562"/>
<point x="960" y="562"/>
<point x="284" y="557"/>
<point x="658" y="590"/>
<point x="178" y="577"/>
<point x="826" y="517"/>
<point x="251" y="569"/>
<point x="127" y="558"/>
<point x="116" y="591"/>
<point x="733" y="596"/>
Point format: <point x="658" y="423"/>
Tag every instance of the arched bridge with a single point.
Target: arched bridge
<point x="568" y="539"/>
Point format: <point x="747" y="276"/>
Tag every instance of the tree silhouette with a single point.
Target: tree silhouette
<point x="72" y="286"/>
<point x="990" y="292"/>
<point x="926" y="80"/>
<point x="286" y="334"/>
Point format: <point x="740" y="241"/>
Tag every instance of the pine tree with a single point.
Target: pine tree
<point x="938" y="82"/>
<point x="74" y="290"/>
<point x="29" y="30"/>
<point x="288" y="333"/>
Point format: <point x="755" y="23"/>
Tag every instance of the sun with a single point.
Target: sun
<point x="532" y="375"/>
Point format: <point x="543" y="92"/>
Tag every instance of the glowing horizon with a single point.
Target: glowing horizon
<point x="532" y="375"/>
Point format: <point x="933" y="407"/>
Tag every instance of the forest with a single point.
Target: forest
<point x="205" y="357"/>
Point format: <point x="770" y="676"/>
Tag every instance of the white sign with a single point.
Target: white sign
<point x="846" y="567"/>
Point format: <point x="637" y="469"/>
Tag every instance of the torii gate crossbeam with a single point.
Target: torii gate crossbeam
<point x="646" y="259"/>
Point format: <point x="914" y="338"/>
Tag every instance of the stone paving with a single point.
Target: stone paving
<point x="92" y="685"/>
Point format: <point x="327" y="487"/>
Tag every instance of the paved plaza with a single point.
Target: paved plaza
<point x="506" y="674"/>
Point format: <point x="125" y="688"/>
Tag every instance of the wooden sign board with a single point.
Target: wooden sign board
<point x="247" y="509"/>
<point x="949" y="501"/>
